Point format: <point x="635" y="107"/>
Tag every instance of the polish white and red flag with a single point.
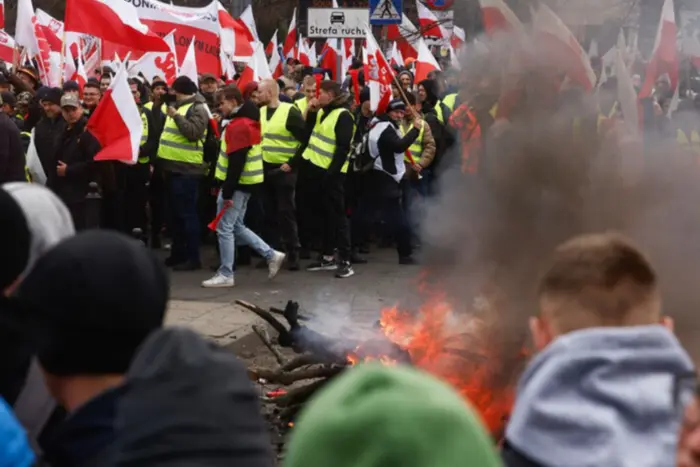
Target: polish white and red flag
<point x="256" y="69"/>
<point x="664" y="59"/>
<point x="2" y="14"/>
<point x="29" y="34"/>
<point x="378" y="76"/>
<point x="290" y="42"/>
<point x="7" y="47"/>
<point x="429" y="24"/>
<point x="405" y="35"/>
<point x="73" y="69"/>
<point x="558" y="42"/>
<point x="272" y="45"/>
<point x="275" y="60"/>
<point x="162" y="64"/>
<point x="189" y="68"/>
<point x="459" y="37"/>
<point x="395" y="58"/>
<point x="235" y="38"/>
<point x="425" y="63"/>
<point x="115" y="21"/>
<point x="116" y="123"/>
<point x="249" y="20"/>
<point x="498" y="17"/>
<point x="302" y="52"/>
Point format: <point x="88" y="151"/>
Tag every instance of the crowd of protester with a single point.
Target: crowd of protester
<point x="90" y="377"/>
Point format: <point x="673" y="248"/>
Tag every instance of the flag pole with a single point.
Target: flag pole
<point x="63" y="56"/>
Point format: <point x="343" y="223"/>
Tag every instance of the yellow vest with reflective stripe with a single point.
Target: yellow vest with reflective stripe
<point x="438" y="111"/>
<point x="148" y="105"/>
<point x="175" y="147"/>
<point x="278" y="144"/>
<point x="450" y="101"/>
<point x="692" y="143"/>
<point x="302" y="104"/>
<point x="144" y="137"/>
<point x="321" y="145"/>
<point x="252" y="169"/>
<point x="27" y="175"/>
<point x="416" y="148"/>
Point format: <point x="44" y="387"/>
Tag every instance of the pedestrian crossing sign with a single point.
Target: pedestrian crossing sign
<point x="382" y="12"/>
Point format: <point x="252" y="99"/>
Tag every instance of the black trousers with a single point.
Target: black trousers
<point x="308" y="222"/>
<point x="79" y="213"/>
<point x="136" y="197"/>
<point x="280" y="211"/>
<point x="157" y="199"/>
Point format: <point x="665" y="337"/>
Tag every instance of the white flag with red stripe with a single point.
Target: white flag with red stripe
<point x="115" y="21"/>
<point x="290" y="42"/>
<point x="664" y="59"/>
<point x="395" y="58"/>
<point x="189" y="64"/>
<point x="378" y="76"/>
<point x="425" y="63"/>
<point x="234" y="35"/>
<point x="29" y="34"/>
<point x="116" y="123"/>
<point x="272" y="45"/>
<point x="249" y="20"/>
<point x="275" y="59"/>
<point x="561" y="45"/>
<point x="459" y="37"/>
<point x="429" y="24"/>
<point x="302" y="52"/>
<point x="162" y="64"/>
<point x="256" y="69"/>
<point x="498" y="17"/>
<point x="406" y="36"/>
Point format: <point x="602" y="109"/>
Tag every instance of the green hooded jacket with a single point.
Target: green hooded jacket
<point x="389" y="416"/>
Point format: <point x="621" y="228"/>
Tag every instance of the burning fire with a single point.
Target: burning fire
<point x="456" y="348"/>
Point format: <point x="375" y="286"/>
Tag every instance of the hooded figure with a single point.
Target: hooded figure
<point x="189" y="403"/>
<point x="34" y="220"/>
<point x="389" y="416"/>
<point x="437" y="115"/>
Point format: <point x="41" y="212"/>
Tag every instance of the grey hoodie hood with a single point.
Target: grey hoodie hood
<point x="48" y="219"/>
<point x="603" y="397"/>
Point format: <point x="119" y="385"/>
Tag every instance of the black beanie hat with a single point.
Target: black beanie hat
<point x="95" y="297"/>
<point x="71" y="86"/>
<point x="14" y="240"/>
<point x="364" y="95"/>
<point x="184" y="85"/>
<point x="52" y="95"/>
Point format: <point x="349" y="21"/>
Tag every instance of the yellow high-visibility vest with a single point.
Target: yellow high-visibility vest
<point x="438" y="111"/>
<point x="252" y="169"/>
<point x="278" y="144"/>
<point x="144" y="137"/>
<point x="691" y="143"/>
<point x="27" y="175"/>
<point x="302" y="103"/>
<point x="321" y="145"/>
<point x="175" y="147"/>
<point x="450" y="101"/>
<point x="416" y="149"/>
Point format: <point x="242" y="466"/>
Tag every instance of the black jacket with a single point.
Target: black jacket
<point x="237" y="159"/>
<point x="48" y="132"/>
<point x="150" y="147"/>
<point x="12" y="159"/>
<point x="189" y="403"/>
<point x="389" y="144"/>
<point x="77" y="149"/>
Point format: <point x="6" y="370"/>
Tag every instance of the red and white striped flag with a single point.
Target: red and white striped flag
<point x="395" y="58"/>
<point x="272" y="45"/>
<point x="425" y="63"/>
<point x="290" y="42"/>
<point x="275" y="59"/>
<point x="664" y="59"/>
<point x="378" y="76"/>
<point x="256" y="69"/>
<point x="29" y="34"/>
<point x="459" y="37"/>
<point x="498" y="17"/>
<point x="116" y="123"/>
<point x="429" y="24"/>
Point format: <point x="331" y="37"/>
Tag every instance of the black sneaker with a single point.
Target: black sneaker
<point x="188" y="266"/>
<point x="304" y="254"/>
<point x="293" y="261"/>
<point x="171" y="261"/>
<point x="344" y="270"/>
<point x="323" y="265"/>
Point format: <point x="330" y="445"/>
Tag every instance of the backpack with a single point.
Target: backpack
<point x="363" y="160"/>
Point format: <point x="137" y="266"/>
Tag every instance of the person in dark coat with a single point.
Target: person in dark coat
<point x="9" y="107"/>
<point x="48" y="129"/>
<point x="12" y="159"/>
<point x="176" y="386"/>
<point x="86" y="341"/>
<point x="436" y="115"/>
<point x="73" y="172"/>
<point x="34" y="220"/>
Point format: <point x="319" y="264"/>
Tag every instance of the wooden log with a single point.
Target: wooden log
<point x="264" y="314"/>
<point x="262" y="334"/>
<point x="299" y="395"/>
<point x="300" y="361"/>
<point x="287" y="378"/>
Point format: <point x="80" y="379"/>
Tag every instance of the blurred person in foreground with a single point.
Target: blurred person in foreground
<point x="85" y="341"/>
<point x="14" y="447"/>
<point x="689" y="443"/>
<point x="607" y="385"/>
<point x="377" y="415"/>
<point x="34" y="220"/>
<point x="189" y="402"/>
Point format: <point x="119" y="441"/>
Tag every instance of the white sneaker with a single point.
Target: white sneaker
<point x="275" y="264"/>
<point x="218" y="281"/>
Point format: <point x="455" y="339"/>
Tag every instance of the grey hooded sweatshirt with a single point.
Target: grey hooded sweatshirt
<point x="602" y="397"/>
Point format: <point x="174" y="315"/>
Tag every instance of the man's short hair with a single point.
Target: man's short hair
<point x="332" y="87"/>
<point x="230" y="92"/>
<point x="308" y="81"/>
<point x="598" y="280"/>
<point x="91" y="84"/>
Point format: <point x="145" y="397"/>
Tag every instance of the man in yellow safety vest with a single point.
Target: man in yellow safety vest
<point x="309" y="89"/>
<point x="181" y="158"/>
<point x="282" y="133"/>
<point x="330" y="127"/>
<point x="239" y="169"/>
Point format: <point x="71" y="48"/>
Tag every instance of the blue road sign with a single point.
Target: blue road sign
<point x="382" y="12"/>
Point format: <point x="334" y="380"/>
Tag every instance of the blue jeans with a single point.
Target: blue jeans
<point x="232" y="229"/>
<point x="183" y="191"/>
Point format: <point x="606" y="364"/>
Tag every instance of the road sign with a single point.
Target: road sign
<point x="337" y="22"/>
<point x="383" y="12"/>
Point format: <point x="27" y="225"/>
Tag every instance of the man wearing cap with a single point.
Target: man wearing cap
<point x="387" y="146"/>
<point x="208" y="85"/>
<point x="49" y="129"/>
<point x="181" y="157"/>
<point x="26" y="78"/>
<point x="74" y="166"/>
<point x="9" y="102"/>
<point x="12" y="159"/>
